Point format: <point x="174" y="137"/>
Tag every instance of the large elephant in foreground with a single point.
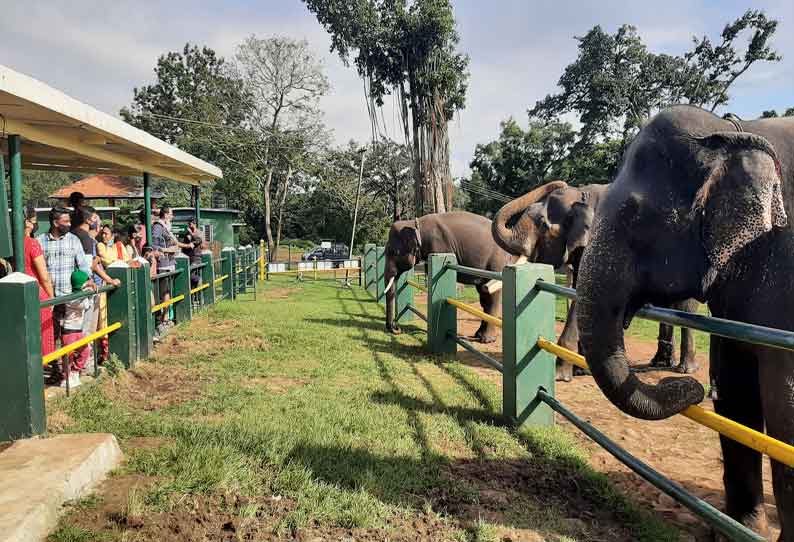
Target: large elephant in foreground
<point x="699" y="209"/>
<point x="467" y="236"/>
<point x="552" y="225"/>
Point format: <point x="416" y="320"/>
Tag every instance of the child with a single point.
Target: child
<point x="72" y="325"/>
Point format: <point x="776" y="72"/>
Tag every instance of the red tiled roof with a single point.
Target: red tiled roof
<point x="105" y="187"/>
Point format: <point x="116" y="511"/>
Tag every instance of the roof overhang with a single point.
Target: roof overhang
<point x="63" y="134"/>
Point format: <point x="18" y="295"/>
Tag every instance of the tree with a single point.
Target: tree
<point x="771" y="113"/>
<point x="387" y="175"/>
<point x="406" y="48"/>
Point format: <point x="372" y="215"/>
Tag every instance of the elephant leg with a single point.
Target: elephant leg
<point x="774" y="373"/>
<point x="688" y="362"/>
<point x="492" y="304"/>
<point x="569" y="338"/>
<point x="740" y="400"/>
<point x="665" y="351"/>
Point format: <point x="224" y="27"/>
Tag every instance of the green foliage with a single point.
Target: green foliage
<point x="771" y="113"/>
<point x="38" y="185"/>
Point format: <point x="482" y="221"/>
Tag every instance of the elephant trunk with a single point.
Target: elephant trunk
<point x="517" y="240"/>
<point x="604" y="308"/>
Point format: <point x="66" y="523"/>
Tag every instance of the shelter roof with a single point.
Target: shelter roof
<point x="60" y="133"/>
<point x="105" y="187"/>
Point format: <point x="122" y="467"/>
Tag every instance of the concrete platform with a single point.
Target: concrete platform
<point x="39" y="475"/>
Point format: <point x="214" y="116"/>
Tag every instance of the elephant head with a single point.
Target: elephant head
<point x="578" y="226"/>
<point x="402" y="251"/>
<point x="521" y="224"/>
<point x="690" y="196"/>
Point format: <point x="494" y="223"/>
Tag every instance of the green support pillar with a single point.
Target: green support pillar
<point x="22" y="411"/>
<point x="442" y="318"/>
<point x="17" y="218"/>
<point x="143" y="308"/>
<point x="208" y="277"/>
<point x="380" y="272"/>
<point x="147" y="206"/>
<point x="197" y="201"/>
<point x="6" y="233"/>
<point x="183" y="310"/>
<point x="369" y="268"/>
<point x="527" y="314"/>
<point x="404" y="296"/>
<point x="122" y="308"/>
<point x="227" y="268"/>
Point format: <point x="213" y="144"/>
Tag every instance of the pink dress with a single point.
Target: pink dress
<point x="32" y="251"/>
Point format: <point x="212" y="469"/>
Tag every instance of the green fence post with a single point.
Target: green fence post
<point x="404" y="296"/>
<point x="208" y="277"/>
<point x="240" y="264"/>
<point x="22" y="411"/>
<point x="183" y="310"/>
<point x="143" y="308"/>
<point x="442" y="318"/>
<point x="250" y="270"/>
<point x="527" y="313"/>
<point x="380" y="274"/>
<point x="227" y="268"/>
<point x="122" y="304"/>
<point x="369" y="268"/>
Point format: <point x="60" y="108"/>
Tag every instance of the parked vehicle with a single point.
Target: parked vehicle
<point x="331" y="251"/>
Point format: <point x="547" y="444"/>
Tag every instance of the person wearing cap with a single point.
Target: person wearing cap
<point x="72" y="326"/>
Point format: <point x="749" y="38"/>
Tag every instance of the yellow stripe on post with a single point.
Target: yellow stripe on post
<point x="416" y="285"/>
<point x="475" y="311"/>
<point x="52" y="356"/>
<point x="168" y="303"/>
<point x="760" y="442"/>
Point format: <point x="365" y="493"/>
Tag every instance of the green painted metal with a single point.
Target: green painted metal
<point x="485" y="358"/>
<point x="208" y="277"/>
<point x="17" y="216"/>
<point x="527" y="313"/>
<point x="227" y="268"/>
<point x="197" y="201"/>
<point x="74" y="296"/>
<point x="183" y="310"/>
<point x="143" y="308"/>
<point x="147" y="206"/>
<point x="442" y="317"/>
<point x="122" y="308"/>
<point x="473" y="271"/>
<point x="380" y="273"/>
<point x="22" y="411"/>
<point x="241" y="281"/>
<point x="369" y="268"/>
<point x="6" y="244"/>
<point x="723" y="523"/>
<point x="403" y="298"/>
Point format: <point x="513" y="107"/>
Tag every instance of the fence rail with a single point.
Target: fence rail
<point x="68" y="349"/>
<point x="528" y="357"/>
<point x="82" y="294"/>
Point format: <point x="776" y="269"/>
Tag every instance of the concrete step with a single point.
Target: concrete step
<point x="38" y="475"/>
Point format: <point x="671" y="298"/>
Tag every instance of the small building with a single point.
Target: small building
<point x="112" y="188"/>
<point x="221" y="226"/>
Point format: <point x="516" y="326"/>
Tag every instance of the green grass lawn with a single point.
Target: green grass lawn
<point x="301" y="395"/>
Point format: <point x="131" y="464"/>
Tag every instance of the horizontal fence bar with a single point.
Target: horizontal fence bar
<point x="165" y="274"/>
<point x="750" y="333"/>
<point x="221" y="279"/>
<point x="197" y="289"/>
<point x="416" y="312"/>
<point x="68" y="349"/>
<point x="755" y="440"/>
<point x="479" y="313"/>
<point x="484" y="273"/>
<point x="723" y="523"/>
<point x="480" y="355"/>
<point x="298" y="271"/>
<point x="168" y="303"/>
<point x="82" y="294"/>
<point x="416" y="285"/>
<point x="195" y="266"/>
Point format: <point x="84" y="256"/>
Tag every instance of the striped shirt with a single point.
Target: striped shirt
<point x="63" y="256"/>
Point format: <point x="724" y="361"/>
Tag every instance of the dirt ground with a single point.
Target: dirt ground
<point x="678" y="448"/>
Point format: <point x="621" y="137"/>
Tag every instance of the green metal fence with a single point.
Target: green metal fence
<point x="527" y="366"/>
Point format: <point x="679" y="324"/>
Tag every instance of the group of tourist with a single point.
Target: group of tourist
<point x="74" y="255"/>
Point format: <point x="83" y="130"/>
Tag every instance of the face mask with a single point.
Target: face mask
<point x="93" y="226"/>
<point x="63" y="229"/>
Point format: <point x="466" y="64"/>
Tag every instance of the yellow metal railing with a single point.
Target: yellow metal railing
<point x="197" y="289"/>
<point x="760" y="442"/>
<point x="68" y="349"/>
<point x="495" y="320"/>
<point x="168" y="303"/>
<point x="221" y="279"/>
<point x="416" y="285"/>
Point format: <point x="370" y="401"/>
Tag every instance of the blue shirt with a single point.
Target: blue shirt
<point x="63" y="256"/>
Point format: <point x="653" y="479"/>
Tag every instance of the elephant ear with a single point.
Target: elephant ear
<point x="740" y="199"/>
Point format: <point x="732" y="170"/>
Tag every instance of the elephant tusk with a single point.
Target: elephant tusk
<point x="389" y="285"/>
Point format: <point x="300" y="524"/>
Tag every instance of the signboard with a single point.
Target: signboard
<point x="325" y="244"/>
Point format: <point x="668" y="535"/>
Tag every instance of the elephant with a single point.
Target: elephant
<point x="699" y="209"/>
<point x="552" y="225"/>
<point x="467" y="236"/>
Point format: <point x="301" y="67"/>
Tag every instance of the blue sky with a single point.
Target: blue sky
<point x="98" y="51"/>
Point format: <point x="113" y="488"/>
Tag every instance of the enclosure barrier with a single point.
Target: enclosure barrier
<point x="131" y="307"/>
<point x="528" y="359"/>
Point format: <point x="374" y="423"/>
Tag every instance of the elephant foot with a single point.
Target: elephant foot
<point x="485" y="339"/>
<point x="688" y="366"/>
<point x="578" y="371"/>
<point x="564" y="371"/>
<point x="664" y="356"/>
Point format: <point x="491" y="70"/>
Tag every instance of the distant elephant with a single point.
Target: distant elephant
<point x="552" y="225"/>
<point x="699" y="209"/>
<point x="467" y="236"/>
